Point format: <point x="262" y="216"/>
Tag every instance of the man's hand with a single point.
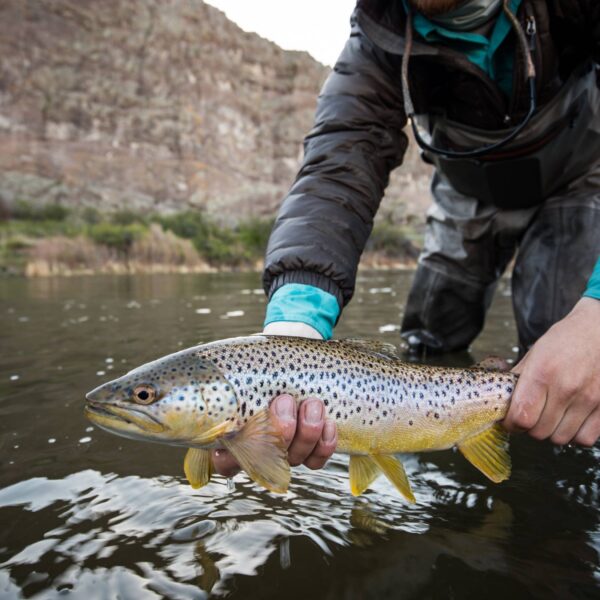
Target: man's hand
<point x="558" y="392"/>
<point x="310" y="438"/>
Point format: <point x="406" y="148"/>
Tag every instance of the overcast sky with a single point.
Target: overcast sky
<point x="320" y="27"/>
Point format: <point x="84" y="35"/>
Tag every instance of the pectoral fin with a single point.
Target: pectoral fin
<point x="394" y="471"/>
<point x="260" y="450"/>
<point x="197" y="467"/>
<point x="488" y="451"/>
<point x="363" y="472"/>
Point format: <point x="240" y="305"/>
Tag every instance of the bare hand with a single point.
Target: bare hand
<point x="558" y="392"/>
<point x="309" y="437"/>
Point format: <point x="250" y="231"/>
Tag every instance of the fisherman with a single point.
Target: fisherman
<point x="503" y="99"/>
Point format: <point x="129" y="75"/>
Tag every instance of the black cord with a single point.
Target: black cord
<point x="410" y="110"/>
<point x="483" y="149"/>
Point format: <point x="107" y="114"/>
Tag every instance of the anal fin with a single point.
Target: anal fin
<point x="394" y="471"/>
<point x="363" y="472"/>
<point x="488" y="451"/>
<point x="198" y="467"/>
<point x="260" y="450"/>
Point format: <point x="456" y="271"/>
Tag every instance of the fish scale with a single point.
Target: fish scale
<point x="416" y="407"/>
<point x="217" y="395"/>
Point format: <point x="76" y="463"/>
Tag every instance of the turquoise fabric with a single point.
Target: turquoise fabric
<point x="489" y="54"/>
<point x="296" y="302"/>
<point x="593" y="287"/>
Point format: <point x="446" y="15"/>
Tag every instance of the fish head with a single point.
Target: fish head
<point x="181" y="399"/>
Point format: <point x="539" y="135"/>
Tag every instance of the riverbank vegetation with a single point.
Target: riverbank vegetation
<point x="54" y="240"/>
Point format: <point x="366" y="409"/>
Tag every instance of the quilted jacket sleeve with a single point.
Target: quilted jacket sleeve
<point x="327" y="216"/>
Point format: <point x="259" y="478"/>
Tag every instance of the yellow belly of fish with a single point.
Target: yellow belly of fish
<point x="424" y="434"/>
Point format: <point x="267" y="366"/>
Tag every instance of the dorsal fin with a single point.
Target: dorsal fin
<point x="493" y="363"/>
<point x="372" y="347"/>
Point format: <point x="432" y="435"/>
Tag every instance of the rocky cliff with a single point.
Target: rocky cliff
<point x="154" y="105"/>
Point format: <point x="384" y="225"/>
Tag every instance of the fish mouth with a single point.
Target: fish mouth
<point x="112" y="416"/>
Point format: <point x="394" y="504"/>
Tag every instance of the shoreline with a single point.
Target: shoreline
<point x="53" y="241"/>
<point x="42" y="269"/>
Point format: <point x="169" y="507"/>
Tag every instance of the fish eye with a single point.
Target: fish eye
<point x="144" y="394"/>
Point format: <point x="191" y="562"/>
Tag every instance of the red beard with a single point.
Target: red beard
<point x="431" y="8"/>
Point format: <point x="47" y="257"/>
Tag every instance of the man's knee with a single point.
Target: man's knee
<point x="443" y="313"/>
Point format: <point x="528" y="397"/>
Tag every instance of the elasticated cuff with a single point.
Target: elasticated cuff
<point x="301" y="303"/>
<point x="308" y="278"/>
<point x="593" y="287"/>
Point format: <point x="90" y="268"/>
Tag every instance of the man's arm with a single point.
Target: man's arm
<point x="558" y="392"/>
<point x="357" y="139"/>
<point x="325" y="220"/>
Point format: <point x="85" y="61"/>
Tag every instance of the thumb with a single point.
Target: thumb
<point x="528" y="401"/>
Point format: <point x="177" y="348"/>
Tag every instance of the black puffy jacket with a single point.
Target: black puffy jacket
<point x="325" y="220"/>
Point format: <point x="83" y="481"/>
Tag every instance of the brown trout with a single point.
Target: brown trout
<point x="217" y="396"/>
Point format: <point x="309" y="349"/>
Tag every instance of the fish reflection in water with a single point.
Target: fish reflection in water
<point x="400" y="565"/>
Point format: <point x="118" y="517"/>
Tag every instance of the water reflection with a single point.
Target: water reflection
<point x="90" y="515"/>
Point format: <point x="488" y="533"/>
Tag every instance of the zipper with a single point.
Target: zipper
<point x="531" y="33"/>
<point x="530" y="29"/>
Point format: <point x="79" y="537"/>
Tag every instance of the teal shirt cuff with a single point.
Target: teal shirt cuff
<point x="593" y="287"/>
<point x="300" y="303"/>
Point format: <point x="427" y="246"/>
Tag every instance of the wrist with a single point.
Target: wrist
<point x="587" y="306"/>
<point x="299" y="303"/>
<point x="292" y="328"/>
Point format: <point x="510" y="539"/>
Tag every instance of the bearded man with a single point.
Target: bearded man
<point x="503" y="98"/>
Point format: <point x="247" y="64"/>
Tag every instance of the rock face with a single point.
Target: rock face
<point x="159" y="105"/>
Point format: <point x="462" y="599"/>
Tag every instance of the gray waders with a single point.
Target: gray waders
<point x="473" y="234"/>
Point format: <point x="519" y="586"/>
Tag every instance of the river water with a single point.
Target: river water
<point x="85" y="514"/>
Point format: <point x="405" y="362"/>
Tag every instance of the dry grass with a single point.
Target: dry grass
<point x="157" y="251"/>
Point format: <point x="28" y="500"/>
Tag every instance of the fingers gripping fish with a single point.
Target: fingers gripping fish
<point x="217" y="395"/>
